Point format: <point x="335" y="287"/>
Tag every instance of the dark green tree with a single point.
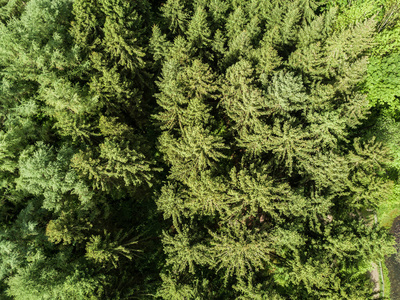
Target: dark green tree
<point x="77" y="150"/>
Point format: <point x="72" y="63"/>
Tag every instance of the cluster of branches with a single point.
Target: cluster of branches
<point x="203" y="149"/>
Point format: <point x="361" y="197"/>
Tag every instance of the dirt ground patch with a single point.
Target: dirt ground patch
<point x="374" y="275"/>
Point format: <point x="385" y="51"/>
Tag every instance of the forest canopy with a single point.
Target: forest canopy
<point x="208" y="149"/>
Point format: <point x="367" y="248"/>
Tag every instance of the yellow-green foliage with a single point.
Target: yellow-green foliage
<point x="193" y="149"/>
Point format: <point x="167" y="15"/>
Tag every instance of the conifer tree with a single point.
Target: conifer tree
<point x="188" y="150"/>
<point x="76" y="148"/>
<point x="273" y="207"/>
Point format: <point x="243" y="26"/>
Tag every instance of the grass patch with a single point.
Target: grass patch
<point x="386" y="280"/>
<point x="389" y="209"/>
<point x="387" y="212"/>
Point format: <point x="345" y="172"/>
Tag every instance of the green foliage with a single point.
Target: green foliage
<point x="175" y="15"/>
<point x="42" y="172"/>
<point x="33" y="269"/>
<point x="382" y="82"/>
<point x="68" y="228"/>
<point x="72" y="78"/>
<point x="239" y="252"/>
<point x="117" y="165"/>
<point x="182" y="255"/>
<point x="283" y="114"/>
<point x="39" y="280"/>
<point x="107" y="250"/>
<point x="192" y="150"/>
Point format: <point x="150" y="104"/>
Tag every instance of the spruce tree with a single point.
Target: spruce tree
<point x="271" y="207"/>
<point x="188" y="150"/>
<point x="76" y="149"/>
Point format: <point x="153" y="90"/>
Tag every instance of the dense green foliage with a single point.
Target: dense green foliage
<point x="381" y="86"/>
<point x="381" y="83"/>
<point x="190" y="150"/>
